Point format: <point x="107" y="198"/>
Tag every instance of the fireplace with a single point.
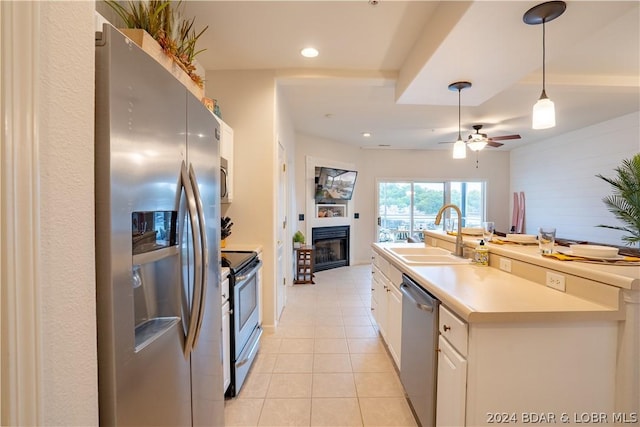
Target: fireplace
<point x="331" y="246"/>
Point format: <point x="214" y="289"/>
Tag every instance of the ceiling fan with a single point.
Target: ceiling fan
<point x="477" y="141"/>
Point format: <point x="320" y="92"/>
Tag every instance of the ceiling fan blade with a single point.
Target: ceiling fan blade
<point x="446" y="142"/>
<point x="491" y="143"/>
<point x="504" y="138"/>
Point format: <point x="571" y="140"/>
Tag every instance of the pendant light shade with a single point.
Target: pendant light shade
<point x="459" y="148"/>
<point x="544" y="112"/>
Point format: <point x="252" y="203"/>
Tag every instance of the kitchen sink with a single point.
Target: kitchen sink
<point x="421" y="250"/>
<point x="426" y="255"/>
<point x="433" y="259"/>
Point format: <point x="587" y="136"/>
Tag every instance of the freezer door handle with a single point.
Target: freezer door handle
<point x="204" y="253"/>
<point x="197" y="261"/>
<point x="407" y="291"/>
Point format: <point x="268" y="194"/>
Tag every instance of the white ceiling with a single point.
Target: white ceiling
<point x="386" y="69"/>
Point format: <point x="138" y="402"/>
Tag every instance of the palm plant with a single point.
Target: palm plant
<point x="624" y="203"/>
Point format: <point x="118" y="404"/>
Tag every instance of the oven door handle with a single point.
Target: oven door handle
<point x="254" y="269"/>
<point x="204" y="254"/>
<point x="192" y="209"/>
<point x="250" y="352"/>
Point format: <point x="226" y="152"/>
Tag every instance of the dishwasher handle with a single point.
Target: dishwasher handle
<point x="409" y="293"/>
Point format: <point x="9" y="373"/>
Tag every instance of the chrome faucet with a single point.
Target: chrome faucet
<point x="459" y="246"/>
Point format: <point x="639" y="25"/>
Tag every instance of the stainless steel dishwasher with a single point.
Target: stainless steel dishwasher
<point x="418" y="364"/>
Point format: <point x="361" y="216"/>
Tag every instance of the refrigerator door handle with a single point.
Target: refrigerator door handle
<point x="204" y="253"/>
<point x="197" y="261"/>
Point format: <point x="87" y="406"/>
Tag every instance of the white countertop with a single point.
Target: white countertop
<point x="486" y="294"/>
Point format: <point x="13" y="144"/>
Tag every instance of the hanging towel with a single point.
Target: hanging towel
<point x="520" y="227"/>
<point x="516" y="210"/>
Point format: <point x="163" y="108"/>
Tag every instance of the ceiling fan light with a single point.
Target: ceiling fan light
<point x="459" y="149"/>
<point x="477" y="145"/>
<point x="544" y="114"/>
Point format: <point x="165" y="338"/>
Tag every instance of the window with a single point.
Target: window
<point x="406" y="208"/>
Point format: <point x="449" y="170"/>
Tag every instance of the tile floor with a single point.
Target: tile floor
<point x="325" y="365"/>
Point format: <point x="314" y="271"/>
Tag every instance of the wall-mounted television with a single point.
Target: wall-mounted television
<point x="335" y="184"/>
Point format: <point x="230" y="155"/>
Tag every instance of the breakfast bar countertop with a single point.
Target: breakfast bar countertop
<point x="621" y="276"/>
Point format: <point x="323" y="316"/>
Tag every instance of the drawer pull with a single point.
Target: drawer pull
<point x="446" y="328"/>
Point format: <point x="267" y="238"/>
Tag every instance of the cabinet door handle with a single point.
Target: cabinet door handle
<point x="446" y="328"/>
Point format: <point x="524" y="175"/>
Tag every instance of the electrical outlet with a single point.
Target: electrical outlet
<point x="434" y="242"/>
<point x="505" y="265"/>
<point x="555" y="281"/>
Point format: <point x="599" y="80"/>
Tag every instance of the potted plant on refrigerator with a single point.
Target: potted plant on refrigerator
<point x="160" y="30"/>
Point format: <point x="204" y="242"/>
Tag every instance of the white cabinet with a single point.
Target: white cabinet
<point x="226" y="151"/>
<point x="386" y="304"/>
<point x="452" y="370"/>
<point x="226" y="345"/>
<point x="394" y="322"/>
<point x="525" y="369"/>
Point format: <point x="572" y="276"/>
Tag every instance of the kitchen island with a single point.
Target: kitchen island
<point x="524" y="352"/>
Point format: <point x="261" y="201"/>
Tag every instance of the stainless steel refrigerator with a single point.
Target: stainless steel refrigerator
<point x="157" y="244"/>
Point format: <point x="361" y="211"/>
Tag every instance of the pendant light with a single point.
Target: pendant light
<point x="459" y="148"/>
<point x="544" y="113"/>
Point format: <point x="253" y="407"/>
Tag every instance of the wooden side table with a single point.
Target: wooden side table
<point x="304" y="265"/>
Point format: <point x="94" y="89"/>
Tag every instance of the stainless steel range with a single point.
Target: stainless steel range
<point x="245" y="313"/>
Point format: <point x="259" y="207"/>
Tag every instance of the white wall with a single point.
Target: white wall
<point x="493" y="167"/>
<point x="559" y="179"/>
<point x="64" y="359"/>
<point x="247" y="102"/>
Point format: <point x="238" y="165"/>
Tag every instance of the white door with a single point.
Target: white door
<point x="281" y="259"/>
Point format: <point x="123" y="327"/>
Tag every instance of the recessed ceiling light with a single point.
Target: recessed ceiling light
<point x="366" y="134"/>
<point x="309" y="52"/>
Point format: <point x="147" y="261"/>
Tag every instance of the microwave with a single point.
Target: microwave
<point x="224" y="180"/>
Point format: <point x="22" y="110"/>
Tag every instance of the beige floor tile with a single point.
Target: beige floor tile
<point x="297" y="319"/>
<point x="331" y="363"/>
<point x="298" y="331"/>
<point x="333" y="385"/>
<point x="328" y="311"/>
<point x="289" y="386"/>
<point x="286" y="412"/>
<point x="323" y="331"/>
<point x="360" y="331"/>
<point x="293" y="363"/>
<point x="371" y="362"/>
<point x="264" y="362"/>
<point x="330" y="345"/>
<point x="365" y="345"/>
<point x="378" y="384"/>
<point x="255" y="386"/>
<point x="270" y="344"/>
<point x="356" y="320"/>
<point x="329" y="320"/>
<point x="356" y="311"/>
<point x="335" y="412"/>
<point x="386" y="412"/>
<point x="242" y="412"/>
<point x="296" y="345"/>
